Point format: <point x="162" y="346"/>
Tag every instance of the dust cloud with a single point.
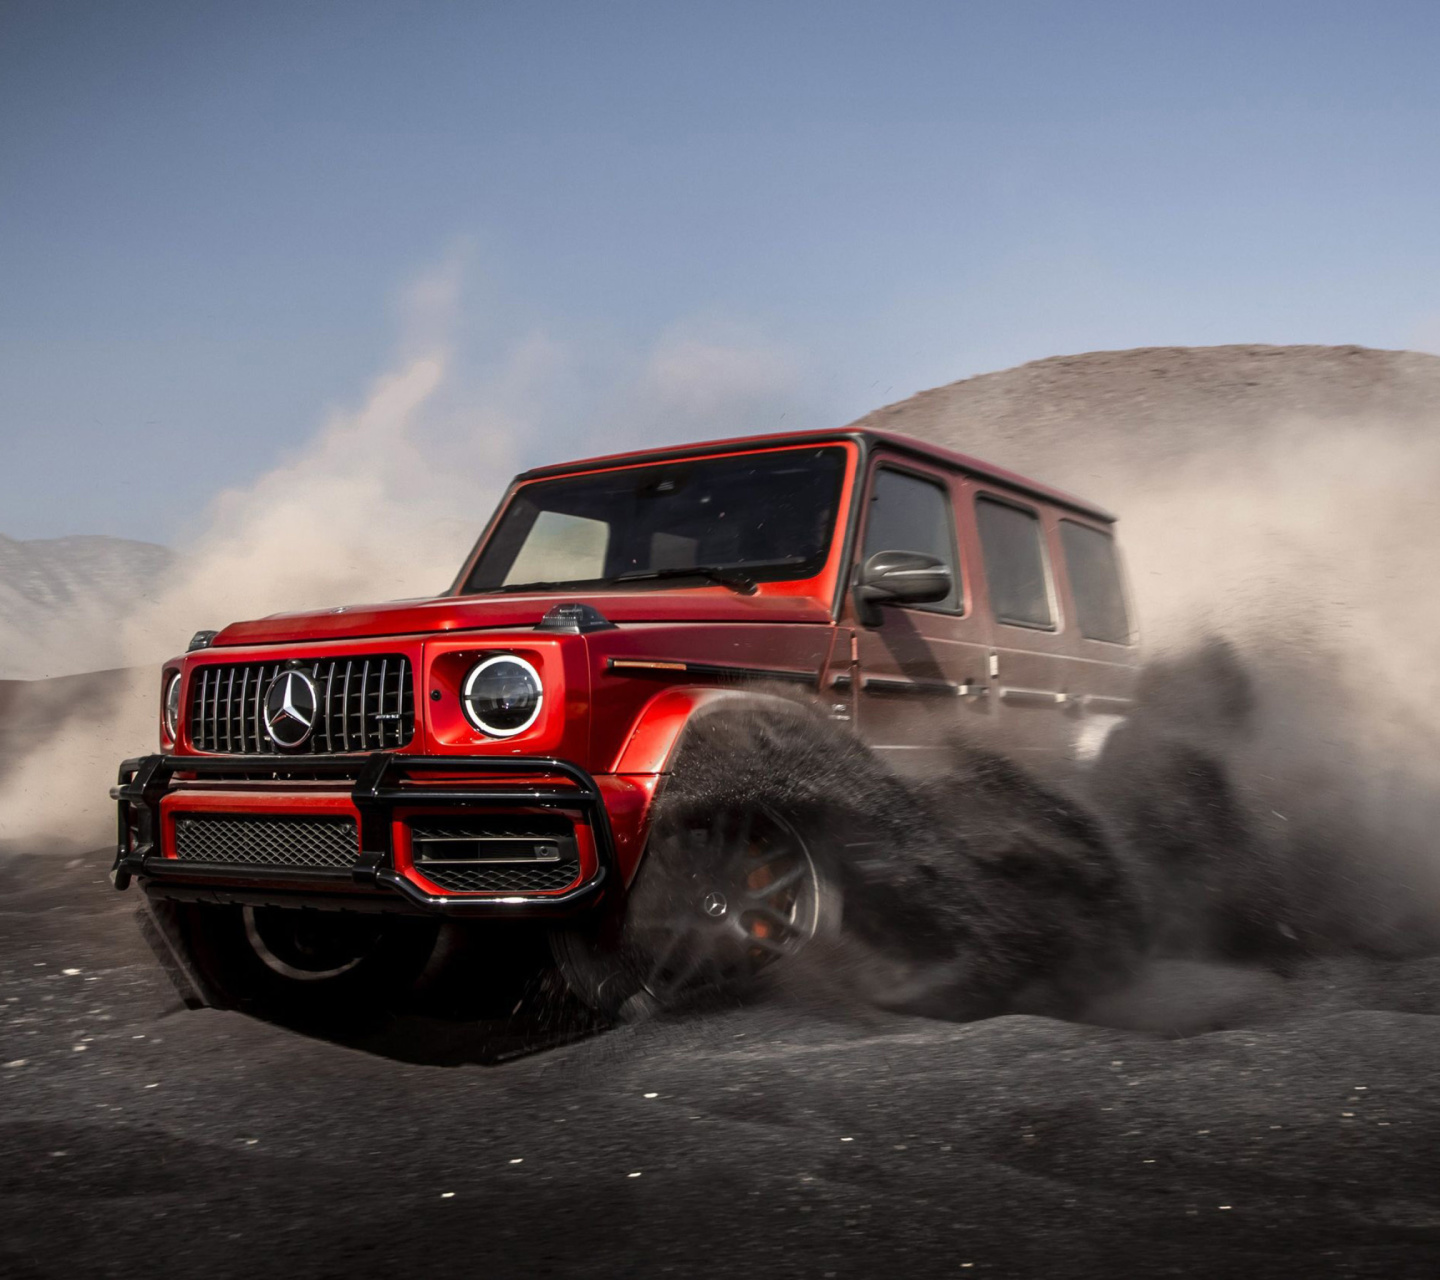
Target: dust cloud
<point x="1311" y="552"/>
<point x="382" y="503"/>
<point x="360" y="514"/>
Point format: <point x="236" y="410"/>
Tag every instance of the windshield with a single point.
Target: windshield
<point x="757" y="517"/>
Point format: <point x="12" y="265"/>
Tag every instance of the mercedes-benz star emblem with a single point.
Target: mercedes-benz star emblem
<point x="290" y="704"/>
<point x="715" y="905"/>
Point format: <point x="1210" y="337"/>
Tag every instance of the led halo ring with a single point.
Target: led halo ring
<point x="468" y="688"/>
<point x="170" y="706"/>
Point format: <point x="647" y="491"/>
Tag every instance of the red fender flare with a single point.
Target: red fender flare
<point x="644" y="761"/>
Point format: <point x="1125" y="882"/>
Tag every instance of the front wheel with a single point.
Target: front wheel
<point x="295" y="964"/>
<point x="720" y="902"/>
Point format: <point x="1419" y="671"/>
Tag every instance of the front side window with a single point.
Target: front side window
<point x="1095" y="583"/>
<point x="1013" y="547"/>
<point x="758" y="517"/>
<point x="908" y="513"/>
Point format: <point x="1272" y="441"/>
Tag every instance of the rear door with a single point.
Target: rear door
<point x="919" y="676"/>
<point x="1032" y="670"/>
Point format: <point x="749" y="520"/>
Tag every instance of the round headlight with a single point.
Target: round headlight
<point x="172" y="706"/>
<point x="502" y="695"/>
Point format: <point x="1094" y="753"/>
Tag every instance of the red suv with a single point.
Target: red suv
<point x="331" y="786"/>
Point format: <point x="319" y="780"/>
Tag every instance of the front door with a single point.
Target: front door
<point x="920" y="674"/>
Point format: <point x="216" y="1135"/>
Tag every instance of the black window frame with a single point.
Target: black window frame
<point x="1056" y="623"/>
<point x="941" y="482"/>
<point x="805" y="572"/>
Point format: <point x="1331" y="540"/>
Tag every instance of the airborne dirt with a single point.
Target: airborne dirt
<point x="1242" y="943"/>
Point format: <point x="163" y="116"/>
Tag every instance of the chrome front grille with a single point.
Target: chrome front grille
<point x="365" y="703"/>
<point x="267" y="841"/>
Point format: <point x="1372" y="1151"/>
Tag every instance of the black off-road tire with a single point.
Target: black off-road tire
<point x="722" y="901"/>
<point x="292" y="965"/>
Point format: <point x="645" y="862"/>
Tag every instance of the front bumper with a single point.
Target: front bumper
<point x="377" y="785"/>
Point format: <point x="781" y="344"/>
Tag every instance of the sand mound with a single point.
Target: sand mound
<point x="1092" y="422"/>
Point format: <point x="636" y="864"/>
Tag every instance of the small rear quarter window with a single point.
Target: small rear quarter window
<point x="1095" y="583"/>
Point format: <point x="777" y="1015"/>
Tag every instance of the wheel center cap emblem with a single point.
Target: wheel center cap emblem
<point x="290" y="705"/>
<point x="714" y="905"/>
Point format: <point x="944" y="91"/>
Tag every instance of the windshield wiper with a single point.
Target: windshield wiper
<point x="727" y="576"/>
<point x="735" y="576"/>
<point x="738" y="577"/>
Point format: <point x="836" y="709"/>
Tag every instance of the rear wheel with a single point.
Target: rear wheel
<point x="718" y="903"/>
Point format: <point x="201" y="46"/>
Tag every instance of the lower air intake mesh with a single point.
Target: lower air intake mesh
<point x="509" y="877"/>
<point x="267" y="842"/>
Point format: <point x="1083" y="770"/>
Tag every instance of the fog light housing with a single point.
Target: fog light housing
<point x="502" y="695"/>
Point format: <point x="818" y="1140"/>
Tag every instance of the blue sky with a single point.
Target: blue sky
<point x="210" y="214"/>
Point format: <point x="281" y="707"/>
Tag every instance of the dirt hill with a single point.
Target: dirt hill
<point x="1098" y="421"/>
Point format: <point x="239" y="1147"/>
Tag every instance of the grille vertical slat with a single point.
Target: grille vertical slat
<point x="329" y="727"/>
<point x="197" y="720"/>
<point x="380" y="703"/>
<point x="259" y="695"/>
<point x="227" y="707"/>
<point x="364" y="704"/>
<point x="241" y="703"/>
<point x="399" y="711"/>
<point x="401" y="678"/>
<point x="345" y="709"/>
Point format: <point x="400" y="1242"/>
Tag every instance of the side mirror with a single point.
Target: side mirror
<point x="899" y="577"/>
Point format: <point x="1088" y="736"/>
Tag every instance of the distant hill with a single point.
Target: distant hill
<point x="61" y="600"/>
<point x="1102" y="422"/>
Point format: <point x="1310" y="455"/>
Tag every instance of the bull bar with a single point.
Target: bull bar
<point x="146" y="780"/>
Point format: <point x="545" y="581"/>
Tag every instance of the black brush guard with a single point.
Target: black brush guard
<point x="376" y="791"/>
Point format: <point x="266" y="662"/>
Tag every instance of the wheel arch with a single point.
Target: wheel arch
<point x="663" y="722"/>
<point x="649" y="751"/>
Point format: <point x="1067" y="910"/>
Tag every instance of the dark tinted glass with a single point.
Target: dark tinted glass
<point x="911" y="514"/>
<point x="1015" y="571"/>
<point x="769" y="515"/>
<point x="1095" y="583"/>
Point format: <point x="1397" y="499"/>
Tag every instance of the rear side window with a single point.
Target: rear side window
<point x="1095" y="583"/>
<point x="1014" y="551"/>
<point x="911" y="514"/>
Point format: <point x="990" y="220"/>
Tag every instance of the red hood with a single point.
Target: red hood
<point x="465" y="613"/>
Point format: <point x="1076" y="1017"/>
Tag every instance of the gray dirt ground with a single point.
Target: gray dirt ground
<point x="1294" y="1132"/>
